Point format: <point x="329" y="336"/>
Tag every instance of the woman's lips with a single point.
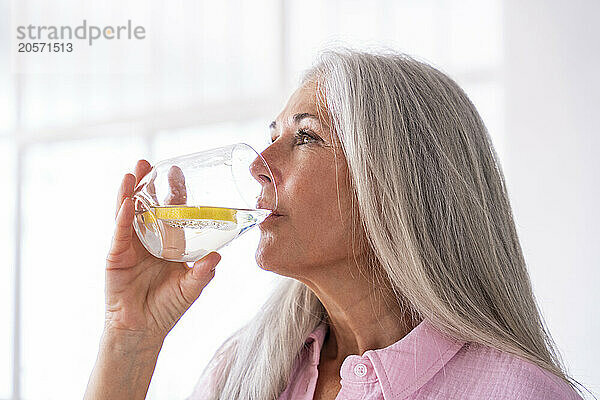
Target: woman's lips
<point x="275" y="214"/>
<point x="271" y="218"/>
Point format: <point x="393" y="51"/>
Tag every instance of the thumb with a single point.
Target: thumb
<point x="195" y="279"/>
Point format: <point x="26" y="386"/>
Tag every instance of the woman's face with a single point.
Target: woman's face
<point x="313" y="190"/>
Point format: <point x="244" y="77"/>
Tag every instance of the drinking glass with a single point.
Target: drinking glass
<point x="190" y="205"/>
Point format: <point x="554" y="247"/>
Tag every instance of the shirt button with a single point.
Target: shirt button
<point x="360" y="370"/>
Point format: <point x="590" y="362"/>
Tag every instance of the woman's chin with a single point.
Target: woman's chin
<point x="270" y="257"/>
<point x="265" y="257"/>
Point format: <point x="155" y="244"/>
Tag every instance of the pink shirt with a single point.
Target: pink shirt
<point x="425" y="364"/>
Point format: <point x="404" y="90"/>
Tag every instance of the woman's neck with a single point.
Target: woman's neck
<point x="362" y="315"/>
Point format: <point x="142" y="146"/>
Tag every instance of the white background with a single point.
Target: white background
<point x="215" y="73"/>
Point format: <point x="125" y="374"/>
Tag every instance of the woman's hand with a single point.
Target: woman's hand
<point x="145" y="295"/>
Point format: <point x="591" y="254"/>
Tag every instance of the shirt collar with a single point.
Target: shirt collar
<point x="404" y="366"/>
<point x="314" y="342"/>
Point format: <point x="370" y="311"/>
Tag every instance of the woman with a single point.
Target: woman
<point x="405" y="277"/>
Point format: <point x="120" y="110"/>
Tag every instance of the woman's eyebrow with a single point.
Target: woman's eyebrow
<point x="297" y="118"/>
<point x="301" y="116"/>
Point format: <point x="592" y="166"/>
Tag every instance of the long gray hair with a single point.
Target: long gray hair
<point x="432" y="203"/>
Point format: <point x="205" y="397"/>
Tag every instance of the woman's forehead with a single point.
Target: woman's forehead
<point x="304" y="100"/>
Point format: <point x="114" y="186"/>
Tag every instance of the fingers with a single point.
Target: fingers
<point x="195" y="279"/>
<point x="142" y="167"/>
<point x="173" y="241"/>
<point x="152" y="191"/>
<point x="123" y="230"/>
<point x="205" y="265"/>
<point x="125" y="190"/>
<point x="174" y="237"/>
<point x="177" y="190"/>
<point x="130" y="181"/>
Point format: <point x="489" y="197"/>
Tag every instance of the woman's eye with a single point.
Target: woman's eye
<point x="302" y="137"/>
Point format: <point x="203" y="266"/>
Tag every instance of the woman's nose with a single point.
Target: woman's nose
<point x="261" y="171"/>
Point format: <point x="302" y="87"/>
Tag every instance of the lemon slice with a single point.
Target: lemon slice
<point x="190" y="213"/>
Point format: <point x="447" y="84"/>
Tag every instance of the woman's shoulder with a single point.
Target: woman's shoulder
<point x="484" y="372"/>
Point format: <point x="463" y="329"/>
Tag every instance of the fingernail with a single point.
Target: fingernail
<point x="213" y="258"/>
<point x="216" y="257"/>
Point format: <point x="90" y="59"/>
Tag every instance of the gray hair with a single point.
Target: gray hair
<point x="432" y="202"/>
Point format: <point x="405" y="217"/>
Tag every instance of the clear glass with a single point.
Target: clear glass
<point x="190" y="205"/>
